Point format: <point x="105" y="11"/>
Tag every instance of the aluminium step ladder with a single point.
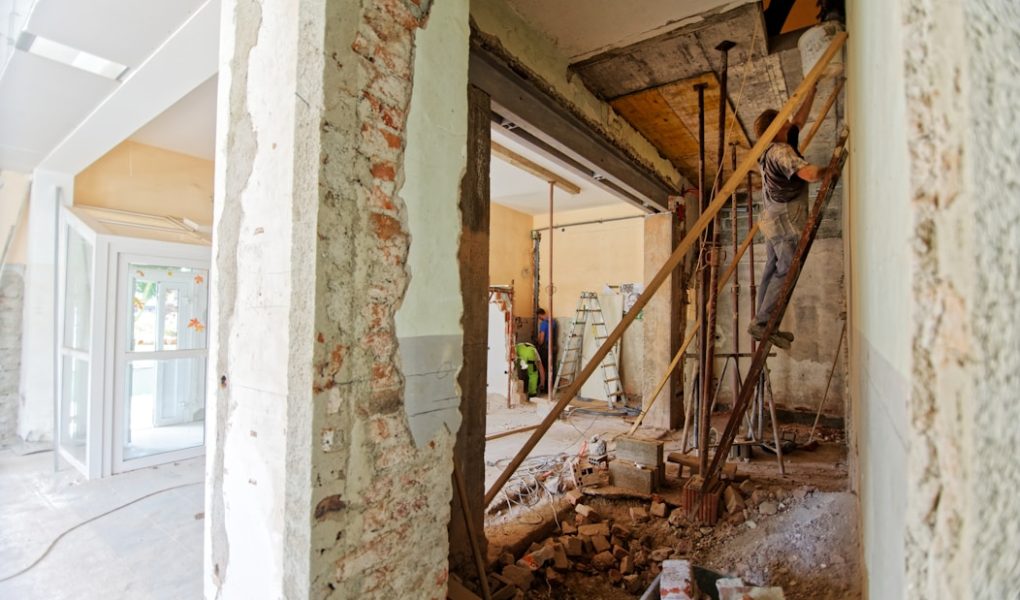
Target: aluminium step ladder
<point x="589" y="313"/>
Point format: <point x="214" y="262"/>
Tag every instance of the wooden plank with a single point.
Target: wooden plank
<point x="720" y="199"/>
<point x="509" y="156"/>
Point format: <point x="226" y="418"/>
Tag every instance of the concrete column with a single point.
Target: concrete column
<point x="662" y="325"/>
<point x="49" y="190"/>
<point x="327" y="169"/>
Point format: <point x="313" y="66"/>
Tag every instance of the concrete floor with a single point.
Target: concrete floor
<point x="149" y="550"/>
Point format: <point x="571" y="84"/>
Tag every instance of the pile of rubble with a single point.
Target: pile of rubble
<point x="629" y="553"/>
<point x="590" y="544"/>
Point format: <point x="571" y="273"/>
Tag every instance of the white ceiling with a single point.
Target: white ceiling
<point x="518" y="189"/>
<point x="42" y="101"/>
<point x="583" y="29"/>
<point x="188" y="127"/>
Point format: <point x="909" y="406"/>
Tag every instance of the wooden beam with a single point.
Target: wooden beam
<point x="510" y="157"/>
<point x="821" y="116"/>
<point x="721" y="198"/>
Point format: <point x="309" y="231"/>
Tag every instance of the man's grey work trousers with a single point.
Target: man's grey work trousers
<point x="782" y="231"/>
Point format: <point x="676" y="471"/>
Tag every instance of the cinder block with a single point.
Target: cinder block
<point x="629" y="475"/>
<point x="643" y="452"/>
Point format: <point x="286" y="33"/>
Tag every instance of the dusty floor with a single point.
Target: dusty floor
<point x="150" y="549"/>
<point x="809" y="546"/>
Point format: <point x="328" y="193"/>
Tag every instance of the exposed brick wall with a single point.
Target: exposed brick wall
<point x="381" y="504"/>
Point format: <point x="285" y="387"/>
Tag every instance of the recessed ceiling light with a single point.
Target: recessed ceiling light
<point x="62" y="53"/>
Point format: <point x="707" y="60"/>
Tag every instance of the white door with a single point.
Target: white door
<point x="159" y="403"/>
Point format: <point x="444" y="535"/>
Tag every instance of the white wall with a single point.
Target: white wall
<point x="428" y="321"/>
<point x="35" y="419"/>
<point x="878" y="233"/>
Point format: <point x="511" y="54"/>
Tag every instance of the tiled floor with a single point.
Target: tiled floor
<point x="151" y="549"/>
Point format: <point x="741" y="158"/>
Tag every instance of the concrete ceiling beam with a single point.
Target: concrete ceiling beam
<point x="186" y="59"/>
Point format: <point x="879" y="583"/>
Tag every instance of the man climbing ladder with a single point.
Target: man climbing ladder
<point x="785" y="176"/>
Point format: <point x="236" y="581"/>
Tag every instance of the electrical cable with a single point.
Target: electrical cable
<point x="90" y="520"/>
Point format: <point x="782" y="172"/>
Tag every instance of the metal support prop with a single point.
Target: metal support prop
<point x="704" y="361"/>
<point x="551" y="328"/>
<point x="758" y="363"/>
<point x="536" y="245"/>
<point x="754" y="429"/>
<point x="671" y="263"/>
<point x="736" y="284"/>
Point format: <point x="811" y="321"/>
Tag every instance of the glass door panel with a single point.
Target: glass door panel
<point x="76" y="338"/>
<point x="164" y="366"/>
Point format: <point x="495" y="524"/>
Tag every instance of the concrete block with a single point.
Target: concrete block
<point x="643" y="452"/>
<point x="631" y="476"/>
<point x="677" y="581"/>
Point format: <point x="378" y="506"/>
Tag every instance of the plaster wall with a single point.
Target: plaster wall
<point x="879" y="231"/>
<point x="962" y="77"/>
<point x="429" y="319"/>
<point x="146" y="179"/>
<point x="510" y="255"/>
<point x="500" y="25"/>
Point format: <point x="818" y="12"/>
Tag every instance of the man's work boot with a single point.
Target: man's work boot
<point x="780" y="339"/>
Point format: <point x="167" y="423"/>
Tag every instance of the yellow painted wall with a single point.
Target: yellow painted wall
<point x="510" y="252"/>
<point x="587" y="257"/>
<point x="150" y="180"/>
<point x="12" y="196"/>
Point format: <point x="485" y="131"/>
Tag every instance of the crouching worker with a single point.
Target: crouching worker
<point x="785" y="176"/>
<point x="529" y="368"/>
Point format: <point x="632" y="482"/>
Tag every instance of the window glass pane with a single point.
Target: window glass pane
<point x="168" y="308"/>
<point x="77" y="292"/>
<point x="171" y="317"/>
<point x="166" y="406"/>
<point x="74" y="406"/>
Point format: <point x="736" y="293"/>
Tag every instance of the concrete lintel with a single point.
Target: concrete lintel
<point x="542" y="123"/>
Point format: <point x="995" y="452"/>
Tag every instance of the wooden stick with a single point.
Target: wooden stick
<point x="821" y="117"/>
<point x="690" y="336"/>
<point x="458" y="479"/>
<point x="832" y="371"/>
<point x="666" y="270"/>
<point x="510" y="432"/>
<point x="510" y="157"/>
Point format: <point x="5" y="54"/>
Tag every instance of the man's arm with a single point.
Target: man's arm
<point x="804" y="111"/>
<point x="812" y="173"/>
